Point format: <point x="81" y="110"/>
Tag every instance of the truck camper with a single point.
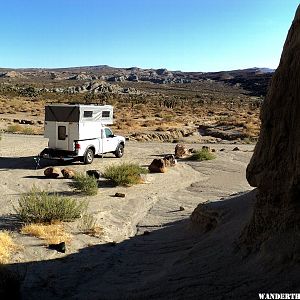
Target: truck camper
<point x="79" y="132"/>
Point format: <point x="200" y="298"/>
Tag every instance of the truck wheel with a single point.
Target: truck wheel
<point x="88" y="157"/>
<point x="119" y="151"/>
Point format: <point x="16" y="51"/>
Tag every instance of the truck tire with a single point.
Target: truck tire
<point x="119" y="151"/>
<point x="88" y="156"/>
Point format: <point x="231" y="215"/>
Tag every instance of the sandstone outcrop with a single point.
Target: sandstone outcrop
<point x="275" y="166"/>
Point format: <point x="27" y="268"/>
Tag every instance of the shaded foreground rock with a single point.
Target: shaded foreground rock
<point x="207" y="219"/>
<point x="275" y="165"/>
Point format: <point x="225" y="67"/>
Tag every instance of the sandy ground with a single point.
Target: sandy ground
<point x="159" y="254"/>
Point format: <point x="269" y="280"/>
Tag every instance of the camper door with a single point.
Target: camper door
<point x="62" y="132"/>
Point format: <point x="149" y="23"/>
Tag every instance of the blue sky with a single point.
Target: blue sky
<point x="187" y="35"/>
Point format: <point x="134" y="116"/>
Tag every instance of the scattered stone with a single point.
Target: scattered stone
<point x="181" y="208"/>
<point x="94" y="173"/>
<point x="146" y="232"/>
<point x="170" y="160"/>
<point x="68" y="173"/>
<point x="121" y="195"/>
<point x="223" y="149"/>
<point x="206" y="148"/>
<point x="52" y="172"/>
<point x="213" y="150"/>
<point x="157" y="166"/>
<point x="181" y="151"/>
<point x="61" y="247"/>
<point x="236" y="149"/>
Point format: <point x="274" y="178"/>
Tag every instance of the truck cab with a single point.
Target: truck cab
<point x="107" y="143"/>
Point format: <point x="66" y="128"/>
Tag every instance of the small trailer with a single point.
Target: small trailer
<point x="79" y="132"/>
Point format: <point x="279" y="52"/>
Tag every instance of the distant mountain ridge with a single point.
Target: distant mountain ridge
<point x="255" y="80"/>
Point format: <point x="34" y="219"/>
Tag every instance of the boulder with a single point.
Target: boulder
<point x="94" y="173"/>
<point x="204" y="217"/>
<point x="157" y="166"/>
<point x="68" y="173"/>
<point x="206" y="148"/>
<point x="52" y="172"/>
<point x="120" y="195"/>
<point x="181" y="151"/>
<point x="170" y="160"/>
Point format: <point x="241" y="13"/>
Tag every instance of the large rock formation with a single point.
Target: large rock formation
<point x="275" y="165"/>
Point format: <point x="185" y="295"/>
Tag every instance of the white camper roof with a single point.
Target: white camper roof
<point x="79" y="113"/>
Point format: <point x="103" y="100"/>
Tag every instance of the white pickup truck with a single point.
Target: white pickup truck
<point x="78" y="132"/>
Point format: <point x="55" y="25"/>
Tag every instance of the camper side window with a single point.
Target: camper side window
<point x="62" y="132"/>
<point x="87" y="114"/>
<point x="105" y="114"/>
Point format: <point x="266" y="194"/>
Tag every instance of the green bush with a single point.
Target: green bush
<point x="201" y="155"/>
<point x="125" y="173"/>
<point x="14" y="128"/>
<point x="87" y="185"/>
<point x="38" y="206"/>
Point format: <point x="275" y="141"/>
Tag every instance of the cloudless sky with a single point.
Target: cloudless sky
<point x="187" y="35"/>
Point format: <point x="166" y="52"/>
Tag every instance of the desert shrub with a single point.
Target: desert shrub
<point x="201" y="155"/>
<point x="86" y="185"/>
<point x="88" y="225"/>
<point x="38" y="206"/>
<point x="28" y="130"/>
<point x="51" y="233"/>
<point x="14" y="128"/>
<point x="125" y="173"/>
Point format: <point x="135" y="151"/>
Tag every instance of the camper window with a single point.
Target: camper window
<point x="62" y="132"/>
<point x="87" y="114"/>
<point x="105" y="114"/>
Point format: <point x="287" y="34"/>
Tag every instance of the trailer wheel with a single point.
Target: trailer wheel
<point x="119" y="151"/>
<point x="88" y="157"/>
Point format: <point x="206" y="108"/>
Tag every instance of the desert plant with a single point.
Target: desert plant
<point x="201" y="155"/>
<point x="38" y="206"/>
<point x="125" y="173"/>
<point x="88" y="225"/>
<point x="28" y="130"/>
<point x="51" y="233"/>
<point x="14" y="128"/>
<point x="87" y="185"/>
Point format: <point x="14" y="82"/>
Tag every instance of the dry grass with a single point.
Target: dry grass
<point x="88" y="225"/>
<point x="7" y="247"/>
<point x="52" y="234"/>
